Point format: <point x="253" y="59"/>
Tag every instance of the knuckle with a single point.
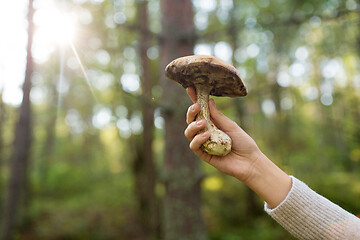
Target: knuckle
<point x="191" y="113"/>
<point x="191" y="146"/>
<point x="186" y="133"/>
<point x="188" y="117"/>
<point x="189" y="131"/>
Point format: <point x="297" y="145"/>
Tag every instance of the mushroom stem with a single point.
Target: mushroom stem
<point x="219" y="143"/>
<point x="202" y="97"/>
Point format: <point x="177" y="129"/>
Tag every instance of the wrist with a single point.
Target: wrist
<point x="268" y="180"/>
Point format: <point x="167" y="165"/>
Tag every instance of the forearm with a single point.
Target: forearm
<point x="308" y="215"/>
<point x="300" y="210"/>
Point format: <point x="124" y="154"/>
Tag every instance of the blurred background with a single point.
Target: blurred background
<point x="91" y="132"/>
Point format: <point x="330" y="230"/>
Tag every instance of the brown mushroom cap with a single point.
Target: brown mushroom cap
<point x="207" y="70"/>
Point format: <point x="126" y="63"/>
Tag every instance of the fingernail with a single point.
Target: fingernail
<point x="200" y="122"/>
<point x="204" y="134"/>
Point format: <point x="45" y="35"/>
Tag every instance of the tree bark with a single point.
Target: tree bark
<point x="143" y="165"/>
<point x="48" y="149"/>
<point x="2" y="118"/>
<point x="182" y="218"/>
<point x="21" y="148"/>
<point x="51" y="121"/>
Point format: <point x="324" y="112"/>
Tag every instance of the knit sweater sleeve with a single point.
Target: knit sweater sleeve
<point x="308" y="215"/>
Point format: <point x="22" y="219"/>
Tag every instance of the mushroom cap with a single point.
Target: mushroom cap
<point x="205" y="70"/>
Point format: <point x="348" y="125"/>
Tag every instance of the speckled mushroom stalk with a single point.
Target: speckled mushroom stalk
<point x="219" y="143"/>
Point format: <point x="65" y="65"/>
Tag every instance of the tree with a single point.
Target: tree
<point x="182" y="202"/>
<point x="2" y="118"/>
<point x="143" y="165"/>
<point x="21" y="147"/>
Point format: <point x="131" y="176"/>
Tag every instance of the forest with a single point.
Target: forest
<point x="92" y="141"/>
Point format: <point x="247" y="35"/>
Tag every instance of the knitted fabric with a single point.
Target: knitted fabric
<point x="308" y="215"/>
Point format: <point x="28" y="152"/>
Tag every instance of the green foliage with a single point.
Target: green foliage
<point x="300" y="62"/>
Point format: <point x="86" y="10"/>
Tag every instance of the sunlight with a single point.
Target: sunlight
<point x="53" y="28"/>
<point x="56" y="29"/>
<point x="13" y="50"/>
<point x="58" y="26"/>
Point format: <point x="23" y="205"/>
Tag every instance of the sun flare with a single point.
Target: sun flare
<point x="54" y="28"/>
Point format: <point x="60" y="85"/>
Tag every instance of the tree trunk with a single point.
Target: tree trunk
<point x="143" y="166"/>
<point x="18" y="173"/>
<point x="50" y="137"/>
<point x="2" y="161"/>
<point x="182" y="201"/>
<point x="49" y="144"/>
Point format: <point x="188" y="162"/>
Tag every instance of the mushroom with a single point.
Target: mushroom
<point x="209" y="76"/>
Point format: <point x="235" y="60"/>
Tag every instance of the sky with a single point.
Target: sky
<point x="13" y="26"/>
<point x="52" y="29"/>
<point x="52" y="25"/>
<point x="12" y="49"/>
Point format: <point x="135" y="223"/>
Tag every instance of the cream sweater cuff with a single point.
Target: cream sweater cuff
<point x="308" y="215"/>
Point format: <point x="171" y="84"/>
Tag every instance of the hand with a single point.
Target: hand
<point x="244" y="153"/>
<point x="245" y="161"/>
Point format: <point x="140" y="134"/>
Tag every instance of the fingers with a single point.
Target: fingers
<point x="192" y="94"/>
<point x="219" y="119"/>
<point x="195" y="144"/>
<point x="191" y="132"/>
<point x="193" y="110"/>
<point x="194" y="128"/>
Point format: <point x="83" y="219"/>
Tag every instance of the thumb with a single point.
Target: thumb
<point x="219" y="119"/>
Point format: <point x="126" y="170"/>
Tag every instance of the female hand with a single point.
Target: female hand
<point x="244" y="153"/>
<point x="245" y="161"/>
